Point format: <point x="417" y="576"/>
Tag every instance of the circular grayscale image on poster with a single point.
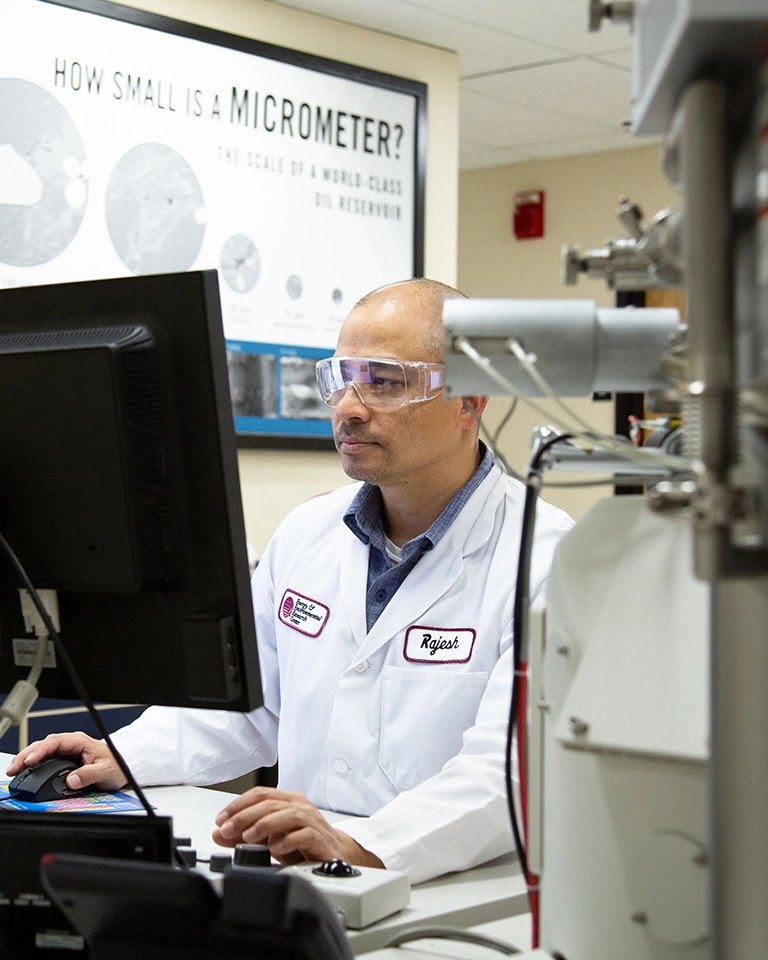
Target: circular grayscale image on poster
<point x="43" y="175"/>
<point x="155" y="211"/>
<point x="293" y="287"/>
<point x="240" y="263"/>
<point x="337" y="295"/>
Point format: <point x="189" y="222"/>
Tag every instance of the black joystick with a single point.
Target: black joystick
<point x="337" y="868"/>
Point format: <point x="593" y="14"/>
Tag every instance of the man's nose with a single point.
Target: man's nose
<point x="351" y="405"/>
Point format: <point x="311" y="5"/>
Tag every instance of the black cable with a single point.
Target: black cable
<point x="73" y="674"/>
<point x="520" y="625"/>
<point x="449" y="933"/>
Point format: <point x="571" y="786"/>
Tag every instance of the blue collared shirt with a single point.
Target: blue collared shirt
<point x="364" y="519"/>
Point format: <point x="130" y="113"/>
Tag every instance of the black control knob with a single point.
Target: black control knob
<point x="252" y="855"/>
<point x="187" y="855"/>
<point x="337" y="868"/>
<point x="220" y="862"/>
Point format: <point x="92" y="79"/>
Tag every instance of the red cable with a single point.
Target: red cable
<point x="531" y="879"/>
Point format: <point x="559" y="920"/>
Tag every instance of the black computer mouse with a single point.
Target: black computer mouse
<point x="44" y="781"/>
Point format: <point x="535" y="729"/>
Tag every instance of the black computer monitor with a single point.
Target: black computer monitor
<point x="119" y="489"/>
<point x="124" y="908"/>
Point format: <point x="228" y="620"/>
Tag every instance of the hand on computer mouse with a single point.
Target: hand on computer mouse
<point x="94" y="764"/>
<point x="44" y="781"/>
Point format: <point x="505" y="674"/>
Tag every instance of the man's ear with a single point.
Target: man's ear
<point x="473" y="407"/>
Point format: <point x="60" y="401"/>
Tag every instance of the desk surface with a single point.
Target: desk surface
<point x="490" y="892"/>
<point x="514" y="931"/>
<point x="487" y="893"/>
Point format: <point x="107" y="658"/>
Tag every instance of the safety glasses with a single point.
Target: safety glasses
<point x="379" y="383"/>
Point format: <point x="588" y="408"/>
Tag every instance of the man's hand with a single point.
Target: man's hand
<point x="99" y="766"/>
<point x="292" y="828"/>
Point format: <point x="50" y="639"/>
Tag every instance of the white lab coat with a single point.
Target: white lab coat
<point x="384" y="724"/>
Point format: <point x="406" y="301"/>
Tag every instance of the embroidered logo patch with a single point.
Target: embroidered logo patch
<point x="305" y="615"/>
<point x="438" y="644"/>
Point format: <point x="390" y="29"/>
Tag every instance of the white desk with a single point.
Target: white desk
<point x="488" y="893"/>
<point x="515" y="931"/>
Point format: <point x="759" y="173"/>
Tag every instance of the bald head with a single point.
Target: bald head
<point x="420" y="303"/>
<point x="418" y="454"/>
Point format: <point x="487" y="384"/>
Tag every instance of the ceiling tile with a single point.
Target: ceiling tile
<point x="495" y="124"/>
<point x="481" y="46"/>
<point x="534" y="82"/>
<point x="475" y="160"/>
<point x="558" y="24"/>
<point x="617" y="58"/>
<point x="581" y="88"/>
<point x="591" y="144"/>
<point x="488" y="34"/>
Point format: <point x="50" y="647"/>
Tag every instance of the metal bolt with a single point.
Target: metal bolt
<point x="619" y="11"/>
<point x="564" y="650"/>
<point x="640" y="917"/>
<point x="577" y="726"/>
<point x="543" y="705"/>
<point x="673" y="495"/>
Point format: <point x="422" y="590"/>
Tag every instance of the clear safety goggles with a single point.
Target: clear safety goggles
<point x="379" y="383"/>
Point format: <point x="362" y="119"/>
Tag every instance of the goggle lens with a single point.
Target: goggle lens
<point x="379" y="382"/>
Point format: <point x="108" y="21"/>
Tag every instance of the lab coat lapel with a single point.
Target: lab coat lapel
<point x="437" y="571"/>
<point x="353" y="583"/>
<point x="433" y="576"/>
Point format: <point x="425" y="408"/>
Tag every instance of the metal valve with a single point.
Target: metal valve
<point x="650" y="257"/>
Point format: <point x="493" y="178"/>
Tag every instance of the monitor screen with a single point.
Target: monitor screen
<point x="119" y="489"/>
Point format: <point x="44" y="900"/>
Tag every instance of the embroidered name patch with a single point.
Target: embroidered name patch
<point x="305" y="615"/>
<point x="438" y="644"/>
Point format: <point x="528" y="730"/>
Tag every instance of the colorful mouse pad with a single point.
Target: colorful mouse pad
<point x="86" y="803"/>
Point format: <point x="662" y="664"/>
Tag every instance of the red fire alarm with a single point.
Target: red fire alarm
<point x="528" y="218"/>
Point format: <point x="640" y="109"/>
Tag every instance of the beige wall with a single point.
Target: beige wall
<point x="582" y="193"/>
<point x="274" y="482"/>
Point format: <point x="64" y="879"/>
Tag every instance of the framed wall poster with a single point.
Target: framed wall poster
<point x="131" y="143"/>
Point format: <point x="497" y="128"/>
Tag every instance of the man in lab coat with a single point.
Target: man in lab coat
<point x="384" y="622"/>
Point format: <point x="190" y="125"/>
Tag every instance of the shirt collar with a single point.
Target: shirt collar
<point x="364" y="519"/>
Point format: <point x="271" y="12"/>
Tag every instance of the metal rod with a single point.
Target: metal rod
<point x="739" y="647"/>
<point x="739" y="769"/>
<point x="708" y="271"/>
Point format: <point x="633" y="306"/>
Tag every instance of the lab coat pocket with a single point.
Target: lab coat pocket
<point x="424" y="713"/>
